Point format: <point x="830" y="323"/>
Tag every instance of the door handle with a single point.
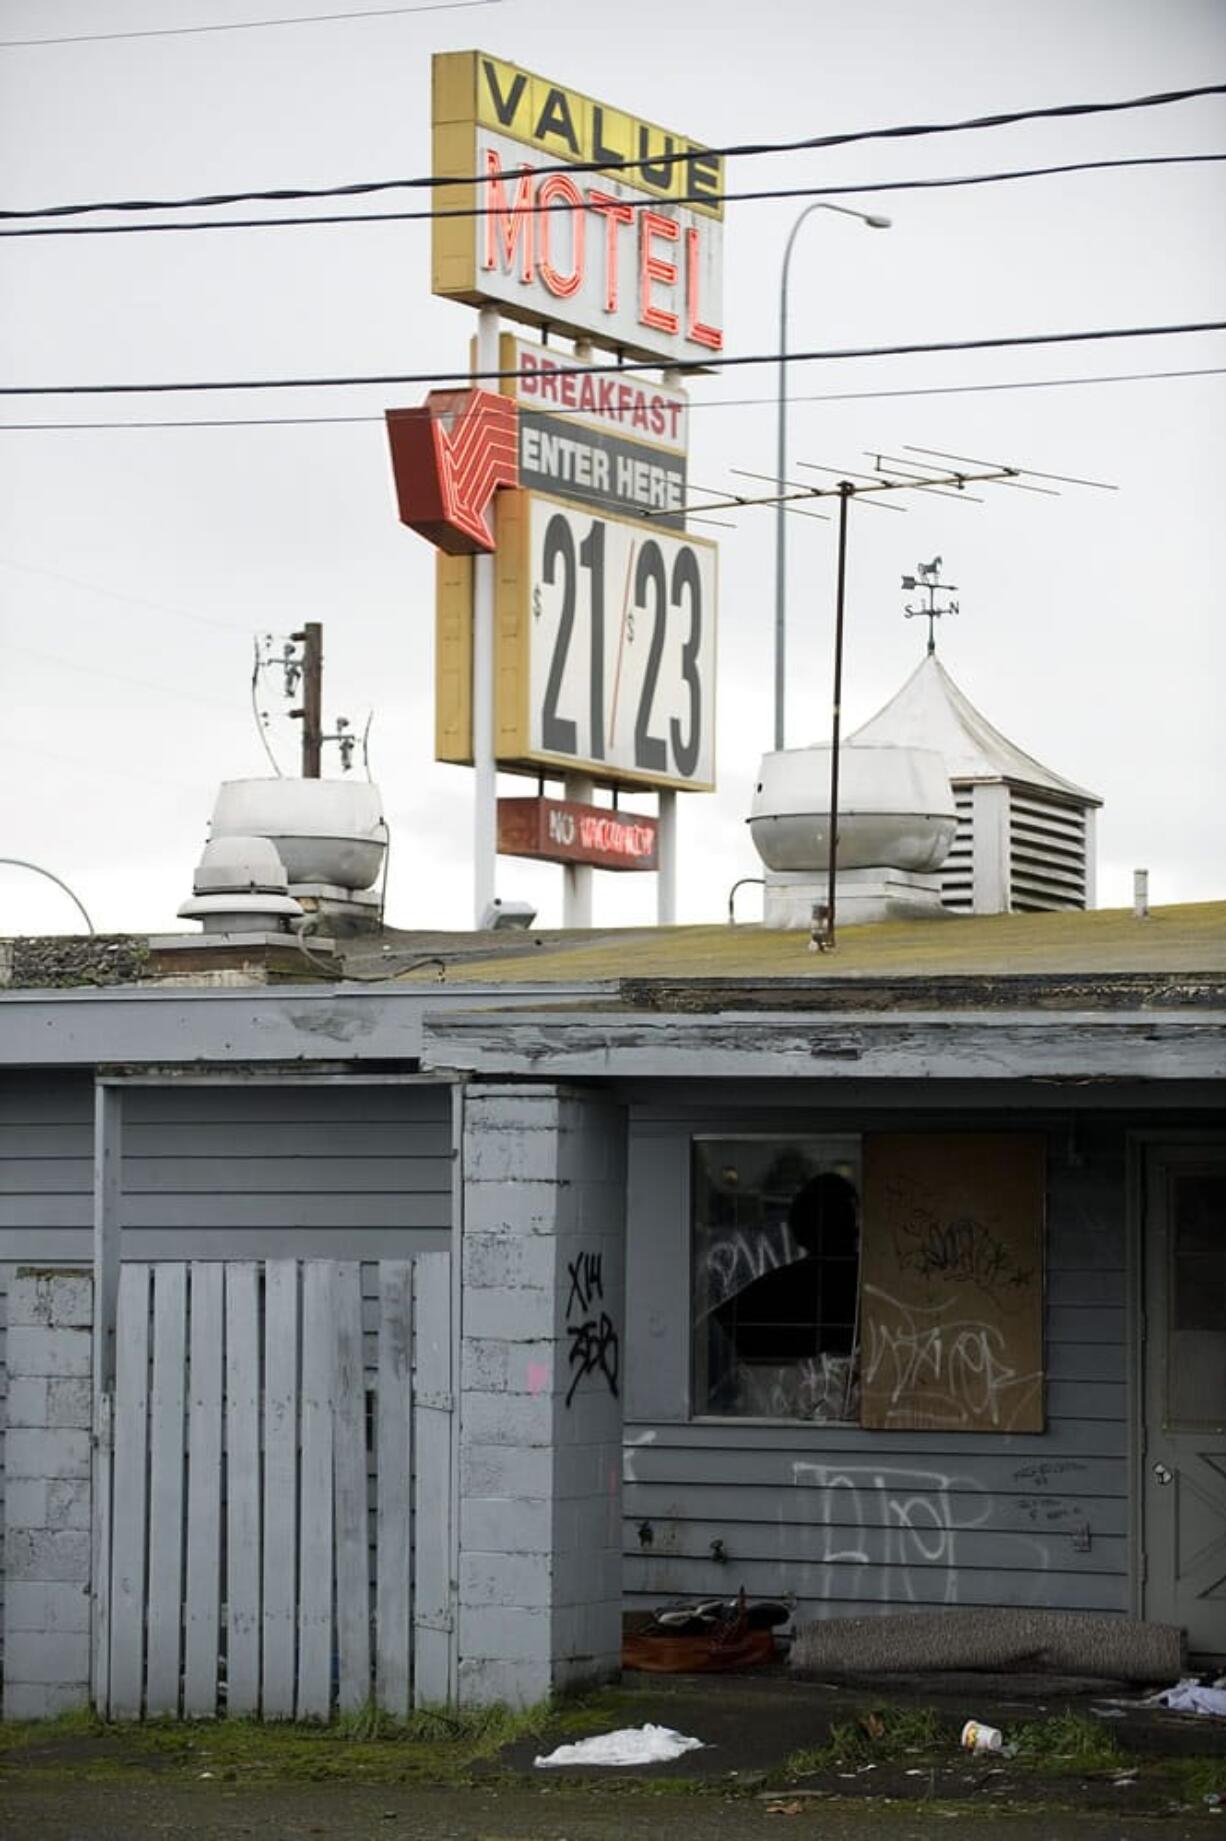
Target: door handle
<point x="1163" y="1475"/>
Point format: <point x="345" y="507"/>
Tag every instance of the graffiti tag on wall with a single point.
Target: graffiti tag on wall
<point x="935" y="1368"/>
<point x="594" y="1346"/>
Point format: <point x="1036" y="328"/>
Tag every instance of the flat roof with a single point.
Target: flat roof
<point x="1190" y="938"/>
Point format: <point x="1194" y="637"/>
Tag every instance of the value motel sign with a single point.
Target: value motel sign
<point x="615" y="259"/>
<point x="604" y="606"/>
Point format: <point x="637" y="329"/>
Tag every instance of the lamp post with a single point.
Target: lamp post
<point x="874" y="223"/>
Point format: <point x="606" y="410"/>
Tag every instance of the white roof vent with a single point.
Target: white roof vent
<point x="895" y="809"/>
<point x="329" y="832"/>
<point x="240" y="887"/>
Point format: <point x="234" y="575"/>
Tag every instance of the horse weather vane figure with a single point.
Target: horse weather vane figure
<point x="927" y="579"/>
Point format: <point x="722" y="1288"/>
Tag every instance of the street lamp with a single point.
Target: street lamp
<point x="874" y="223"/>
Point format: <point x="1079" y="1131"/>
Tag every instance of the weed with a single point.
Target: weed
<point x="883" y="1733"/>
<point x="1067" y="1742"/>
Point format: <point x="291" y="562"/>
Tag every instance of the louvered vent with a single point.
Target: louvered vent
<point x="1047" y="854"/>
<point x="956" y="872"/>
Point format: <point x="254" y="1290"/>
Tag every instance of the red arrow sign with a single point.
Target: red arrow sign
<point x="449" y="458"/>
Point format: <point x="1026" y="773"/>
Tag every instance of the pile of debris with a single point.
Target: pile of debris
<point x="706" y="1636"/>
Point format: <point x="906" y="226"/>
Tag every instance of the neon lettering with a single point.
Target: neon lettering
<point x="507" y="225"/>
<point x="615" y="215"/>
<point x="653" y="268"/>
<point x="710" y="336"/>
<point x="557" y="185"/>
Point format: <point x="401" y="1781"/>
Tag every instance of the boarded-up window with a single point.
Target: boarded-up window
<point x="952" y="1282"/>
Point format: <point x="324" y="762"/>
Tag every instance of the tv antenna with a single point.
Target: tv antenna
<point x="929" y="471"/>
<point x="927" y="578"/>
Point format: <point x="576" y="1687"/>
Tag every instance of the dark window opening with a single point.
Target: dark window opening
<point x="776" y="1275"/>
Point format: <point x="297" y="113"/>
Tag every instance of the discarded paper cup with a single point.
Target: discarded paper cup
<point x="980" y="1738"/>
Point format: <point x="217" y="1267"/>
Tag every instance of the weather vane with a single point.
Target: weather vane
<point x="928" y="578"/>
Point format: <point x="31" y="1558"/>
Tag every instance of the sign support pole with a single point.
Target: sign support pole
<point x="577" y="881"/>
<point x="666" y="875"/>
<point x="485" y="773"/>
<point x="577" y="877"/>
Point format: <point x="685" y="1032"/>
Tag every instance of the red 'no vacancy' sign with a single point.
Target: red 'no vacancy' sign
<point x="564" y="831"/>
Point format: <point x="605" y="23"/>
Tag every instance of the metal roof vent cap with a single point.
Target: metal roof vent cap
<point x="896" y="809"/>
<point x="240" y="887"/>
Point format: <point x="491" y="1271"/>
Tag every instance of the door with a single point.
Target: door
<point x="1183" y="1470"/>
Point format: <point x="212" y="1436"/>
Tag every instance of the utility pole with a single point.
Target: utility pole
<point x="311" y="639"/>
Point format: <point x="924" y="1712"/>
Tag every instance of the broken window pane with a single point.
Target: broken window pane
<point x="776" y="1251"/>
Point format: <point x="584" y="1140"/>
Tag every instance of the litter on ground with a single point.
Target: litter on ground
<point x="629" y="1746"/>
<point x="1190" y="1696"/>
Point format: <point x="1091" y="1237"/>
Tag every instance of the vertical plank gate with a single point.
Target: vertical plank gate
<point x="274" y="1537"/>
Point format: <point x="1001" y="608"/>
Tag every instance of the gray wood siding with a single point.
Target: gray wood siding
<point x="231" y="1172"/>
<point x="851" y="1521"/>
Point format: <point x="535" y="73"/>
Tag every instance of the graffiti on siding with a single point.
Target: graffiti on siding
<point x="892" y="1535"/>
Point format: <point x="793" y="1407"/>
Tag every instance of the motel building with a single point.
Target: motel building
<point x="673" y="1263"/>
<point x="390" y="1314"/>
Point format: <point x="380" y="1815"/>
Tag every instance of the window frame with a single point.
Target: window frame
<point x="838" y="1149"/>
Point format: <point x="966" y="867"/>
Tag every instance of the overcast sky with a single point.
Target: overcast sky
<point x="137" y="564"/>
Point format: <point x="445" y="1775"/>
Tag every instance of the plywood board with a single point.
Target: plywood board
<point x="952" y="1282"/>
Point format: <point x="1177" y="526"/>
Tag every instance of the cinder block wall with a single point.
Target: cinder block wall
<point x="541" y="1392"/>
<point x="47" y="1500"/>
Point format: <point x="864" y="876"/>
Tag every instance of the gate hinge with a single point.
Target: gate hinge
<point x="441" y="1403"/>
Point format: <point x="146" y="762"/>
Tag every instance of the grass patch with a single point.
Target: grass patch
<point x="1193" y="1779"/>
<point x="875" y="1737"/>
<point x="434" y="1745"/>
<point x="1066" y="1742"/>
<point x="82" y="1723"/>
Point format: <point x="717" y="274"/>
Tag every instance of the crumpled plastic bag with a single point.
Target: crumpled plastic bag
<point x="630" y="1745"/>
<point x="1189" y="1696"/>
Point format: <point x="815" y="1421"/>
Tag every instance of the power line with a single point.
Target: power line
<point x="746" y="149"/>
<point x="636" y="204"/>
<point x="115" y="594"/>
<point x="729" y="402"/>
<point x="462" y="378"/>
<point x="247" y="25"/>
<point x="121" y="677"/>
<point x="91" y="768"/>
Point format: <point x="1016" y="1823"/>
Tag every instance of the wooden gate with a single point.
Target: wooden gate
<point x="273" y="1490"/>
